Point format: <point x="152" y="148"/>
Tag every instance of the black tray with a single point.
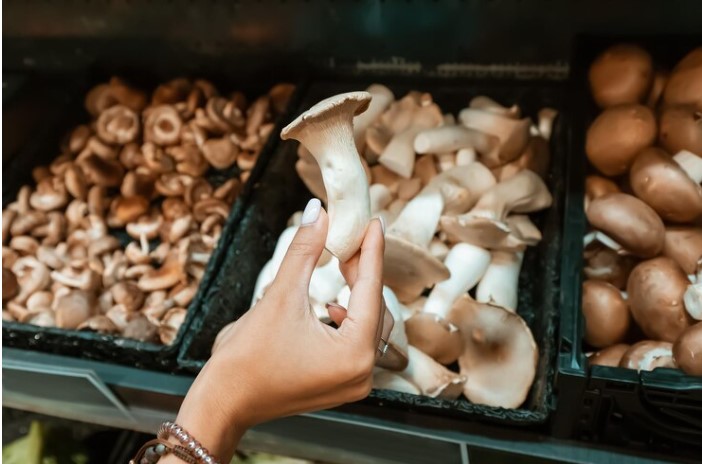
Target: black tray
<point x="661" y="409"/>
<point x="62" y="109"/>
<point x="280" y="193"/>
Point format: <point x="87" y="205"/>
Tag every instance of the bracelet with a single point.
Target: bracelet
<point x="189" y="450"/>
<point x="191" y="444"/>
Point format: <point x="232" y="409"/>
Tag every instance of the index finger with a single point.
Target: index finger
<point x="365" y="306"/>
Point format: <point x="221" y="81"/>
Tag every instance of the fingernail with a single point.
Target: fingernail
<point x="311" y="213"/>
<point x="335" y="305"/>
<point x="382" y="224"/>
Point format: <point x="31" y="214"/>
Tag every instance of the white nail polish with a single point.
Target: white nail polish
<point x="311" y="213"/>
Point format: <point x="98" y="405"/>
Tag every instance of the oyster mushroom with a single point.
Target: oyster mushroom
<point x="671" y="186"/>
<point x="326" y="130"/>
<point x="499" y="355"/>
<point x="655" y="289"/>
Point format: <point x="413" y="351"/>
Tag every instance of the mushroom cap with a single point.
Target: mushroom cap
<point x="659" y="181"/>
<point x="680" y="128"/>
<point x="118" y="124"/>
<point x="685" y="83"/>
<point x="434" y="336"/>
<point x="140" y="328"/>
<point x="101" y="171"/>
<point x="72" y="309"/>
<point x="221" y="153"/>
<point x="617" y="135"/>
<point x="128" y="294"/>
<point x="408" y="269"/>
<point x="170" y="325"/>
<point x="648" y="355"/>
<point x="606" y="313"/>
<point x="629" y="221"/>
<point x="656" y="288"/>
<point x="610" y="356"/>
<point x="99" y="323"/>
<point x="128" y="209"/>
<point x="683" y="245"/>
<point x="10" y="286"/>
<point x="605" y="264"/>
<point x="598" y="186"/>
<point x="623" y="73"/>
<point x="687" y="350"/>
<point x="348" y="104"/>
<point x="499" y="353"/>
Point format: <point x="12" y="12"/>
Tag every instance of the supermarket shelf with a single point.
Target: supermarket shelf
<point x="135" y="399"/>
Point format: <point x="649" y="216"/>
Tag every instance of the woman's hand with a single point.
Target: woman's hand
<point x="279" y="359"/>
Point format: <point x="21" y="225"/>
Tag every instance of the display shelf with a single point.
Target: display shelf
<point x="137" y="399"/>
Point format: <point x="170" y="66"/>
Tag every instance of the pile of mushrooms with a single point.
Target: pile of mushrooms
<point x="138" y="170"/>
<point x="642" y="297"/>
<point x="454" y="194"/>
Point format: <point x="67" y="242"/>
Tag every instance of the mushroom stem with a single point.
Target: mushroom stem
<point x="501" y="280"/>
<point x="386" y="380"/>
<point x="467" y="264"/>
<point x="693" y="301"/>
<point x="690" y="163"/>
<point x="451" y="138"/>
<point x="326" y="130"/>
<point x="396" y="356"/>
<point x="381" y="99"/>
<point x="432" y="379"/>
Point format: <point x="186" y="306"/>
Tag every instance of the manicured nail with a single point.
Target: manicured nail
<point x="311" y="213"/>
<point x="335" y="305"/>
<point x="382" y="224"/>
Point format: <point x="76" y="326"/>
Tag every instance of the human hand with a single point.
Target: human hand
<point x="279" y="359"/>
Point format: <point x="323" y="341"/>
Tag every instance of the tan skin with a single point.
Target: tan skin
<point x="279" y="359"/>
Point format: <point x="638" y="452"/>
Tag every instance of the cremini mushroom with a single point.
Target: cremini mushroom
<point x="687" y="350"/>
<point x="499" y="285"/>
<point x="680" y="128"/>
<point x="669" y="185"/>
<point x="605" y="264"/>
<point x="598" y="186"/>
<point x="655" y="289"/>
<point x="606" y="313"/>
<point x="685" y="83"/>
<point x="648" y="355"/>
<point x="629" y="222"/>
<point x="512" y="135"/>
<point x="623" y="73"/>
<point x="610" y="356"/>
<point x="617" y="135"/>
<point x="683" y="244"/>
<point x="326" y="130"/>
<point x="499" y="355"/>
<point x="432" y="379"/>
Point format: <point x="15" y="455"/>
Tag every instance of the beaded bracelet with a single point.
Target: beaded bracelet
<point x="189" y="450"/>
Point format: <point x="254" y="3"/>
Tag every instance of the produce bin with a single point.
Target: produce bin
<point x="280" y="193"/>
<point x="58" y="100"/>
<point x="660" y="408"/>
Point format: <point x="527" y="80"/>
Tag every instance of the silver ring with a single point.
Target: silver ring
<point x="383" y="347"/>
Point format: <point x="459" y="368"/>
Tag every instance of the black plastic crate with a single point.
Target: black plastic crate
<point x="60" y="109"/>
<point x="280" y="193"/>
<point x="661" y="409"/>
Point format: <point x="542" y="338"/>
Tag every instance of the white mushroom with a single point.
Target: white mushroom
<point x="326" y="130"/>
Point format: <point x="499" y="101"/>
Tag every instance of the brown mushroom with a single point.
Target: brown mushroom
<point x="172" y="184"/>
<point x="32" y="276"/>
<point x="140" y="328"/>
<point x="126" y="210"/>
<point x="137" y="184"/>
<point x="246" y="160"/>
<point x="131" y="156"/>
<point x="170" y="325"/>
<point x="129" y="295"/>
<point x="221" y="153"/>
<point x="610" y="356"/>
<point x="50" y="194"/>
<point x="687" y="350"/>
<point x="169" y="274"/>
<point x="685" y="83"/>
<point x="83" y="280"/>
<point x="228" y="191"/>
<point x="100" y="324"/>
<point x="97" y="200"/>
<point x="189" y="160"/>
<point x="173" y="208"/>
<point x="101" y="171"/>
<point x="606" y="313"/>
<point x="623" y="73"/>
<point x="499" y="355"/>
<point x="24" y="245"/>
<point x="648" y="355"/>
<point x="199" y="189"/>
<point x="118" y="125"/>
<point x="208" y="206"/>
<point x="10" y="286"/>
<point x="669" y="185"/>
<point x="605" y="264"/>
<point x="72" y="309"/>
<point x="79" y="138"/>
<point x="617" y="135"/>
<point x="628" y="221"/>
<point x="683" y="245"/>
<point x="162" y="125"/>
<point x="146" y="227"/>
<point x="156" y="160"/>
<point x="598" y="186"/>
<point x="681" y="129"/>
<point x="656" y="288"/>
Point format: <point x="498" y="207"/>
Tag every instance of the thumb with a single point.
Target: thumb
<point x="306" y="248"/>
